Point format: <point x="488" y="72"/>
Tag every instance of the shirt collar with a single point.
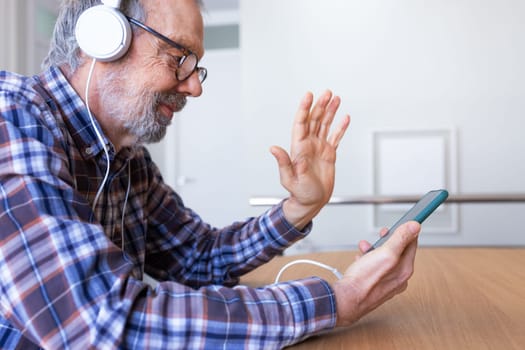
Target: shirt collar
<point x="74" y="114"/>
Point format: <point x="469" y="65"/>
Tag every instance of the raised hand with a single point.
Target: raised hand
<point x="308" y="172"/>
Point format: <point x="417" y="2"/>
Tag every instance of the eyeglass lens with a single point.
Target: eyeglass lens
<point x="188" y="65"/>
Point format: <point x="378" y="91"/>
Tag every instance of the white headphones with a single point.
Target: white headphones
<point x="103" y="32"/>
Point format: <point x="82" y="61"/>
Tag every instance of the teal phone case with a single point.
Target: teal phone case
<point x="419" y="212"/>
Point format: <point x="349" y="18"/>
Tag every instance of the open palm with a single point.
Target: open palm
<point x="308" y="172"/>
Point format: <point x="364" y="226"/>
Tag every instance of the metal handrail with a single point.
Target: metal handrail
<point x="452" y="198"/>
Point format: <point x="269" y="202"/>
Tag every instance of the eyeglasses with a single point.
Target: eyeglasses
<point x="187" y="64"/>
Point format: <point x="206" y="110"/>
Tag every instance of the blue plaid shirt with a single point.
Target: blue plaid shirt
<point x="69" y="282"/>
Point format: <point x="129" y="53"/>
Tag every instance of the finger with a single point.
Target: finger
<point x="328" y="118"/>
<point x="376" y="265"/>
<point x="336" y="137"/>
<point x="402" y="237"/>
<point x="284" y="163"/>
<point x="400" y="275"/>
<point x="394" y="286"/>
<point x="301" y="126"/>
<point x="411" y="250"/>
<point x="318" y="112"/>
<point x="401" y="288"/>
<point x="405" y="265"/>
<point x="364" y="246"/>
<point x="408" y="260"/>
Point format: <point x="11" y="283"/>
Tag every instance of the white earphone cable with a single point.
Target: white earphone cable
<point x="125" y="205"/>
<point x="99" y="135"/>
<point x="338" y="274"/>
<point x="106" y="152"/>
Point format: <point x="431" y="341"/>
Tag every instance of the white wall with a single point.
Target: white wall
<point x="451" y="68"/>
<point x="447" y="72"/>
<point x="10" y="35"/>
<point x="25" y="30"/>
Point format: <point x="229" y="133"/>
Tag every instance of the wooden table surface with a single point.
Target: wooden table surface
<point x="458" y="298"/>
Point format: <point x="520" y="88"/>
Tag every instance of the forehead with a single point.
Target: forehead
<point x="179" y="20"/>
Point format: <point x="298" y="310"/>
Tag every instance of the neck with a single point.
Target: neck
<point x="79" y="80"/>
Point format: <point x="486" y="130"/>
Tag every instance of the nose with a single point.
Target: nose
<point x="191" y="86"/>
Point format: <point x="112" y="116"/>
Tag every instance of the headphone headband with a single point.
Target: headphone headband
<point x="112" y="3"/>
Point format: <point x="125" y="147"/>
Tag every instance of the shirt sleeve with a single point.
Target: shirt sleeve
<point x="64" y="284"/>
<point x="182" y="247"/>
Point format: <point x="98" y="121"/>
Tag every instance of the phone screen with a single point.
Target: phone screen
<point x="419" y="212"/>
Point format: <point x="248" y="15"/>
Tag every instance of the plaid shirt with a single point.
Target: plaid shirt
<point x="69" y="282"/>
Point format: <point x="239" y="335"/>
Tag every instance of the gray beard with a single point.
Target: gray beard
<point x="135" y="111"/>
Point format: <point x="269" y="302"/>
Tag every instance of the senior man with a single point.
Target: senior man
<point x="84" y="212"/>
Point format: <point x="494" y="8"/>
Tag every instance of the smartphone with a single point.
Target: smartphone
<point x="419" y="212"/>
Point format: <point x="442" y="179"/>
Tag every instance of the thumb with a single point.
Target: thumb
<point x="403" y="236"/>
<point x="284" y="162"/>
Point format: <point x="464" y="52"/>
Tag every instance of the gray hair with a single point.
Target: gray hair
<point x="64" y="50"/>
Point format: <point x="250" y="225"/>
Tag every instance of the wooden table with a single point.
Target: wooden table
<point x="458" y="298"/>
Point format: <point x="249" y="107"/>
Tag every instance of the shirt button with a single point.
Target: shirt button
<point x="89" y="151"/>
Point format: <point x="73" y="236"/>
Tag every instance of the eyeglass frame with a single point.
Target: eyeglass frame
<point x="202" y="72"/>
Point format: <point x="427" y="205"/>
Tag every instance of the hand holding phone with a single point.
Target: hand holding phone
<point x="419" y="212"/>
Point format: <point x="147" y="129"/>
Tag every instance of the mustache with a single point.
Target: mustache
<point x="176" y="101"/>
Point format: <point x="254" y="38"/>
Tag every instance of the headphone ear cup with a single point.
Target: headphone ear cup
<point x="104" y="33"/>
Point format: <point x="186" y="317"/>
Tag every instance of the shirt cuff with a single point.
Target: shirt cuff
<point x="282" y="233"/>
<point x="313" y="305"/>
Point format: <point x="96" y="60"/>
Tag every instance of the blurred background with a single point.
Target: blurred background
<point x="435" y="89"/>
